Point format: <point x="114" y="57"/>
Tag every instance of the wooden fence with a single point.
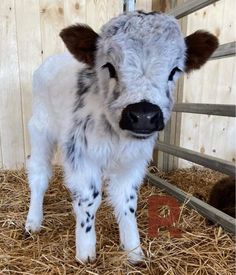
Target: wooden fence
<point x="226" y="167"/>
<point x="29" y="34"/>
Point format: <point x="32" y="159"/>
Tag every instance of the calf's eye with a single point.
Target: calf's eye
<point x="172" y="73"/>
<point x="111" y="69"/>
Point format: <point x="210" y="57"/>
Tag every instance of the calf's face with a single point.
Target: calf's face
<point x="137" y="58"/>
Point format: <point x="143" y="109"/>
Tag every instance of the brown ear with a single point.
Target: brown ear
<point x="200" y="46"/>
<point x="81" y="42"/>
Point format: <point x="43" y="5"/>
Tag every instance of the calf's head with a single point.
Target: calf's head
<point x="137" y="58"/>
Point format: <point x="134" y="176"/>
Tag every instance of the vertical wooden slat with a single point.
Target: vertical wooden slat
<point x="52" y="21"/>
<point x="29" y="54"/>
<point x="74" y="12"/>
<point x="114" y="8"/>
<point x="96" y="13"/>
<point x="10" y="102"/>
<point x="145" y="5"/>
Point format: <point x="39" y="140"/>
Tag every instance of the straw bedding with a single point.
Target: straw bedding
<point x="201" y="250"/>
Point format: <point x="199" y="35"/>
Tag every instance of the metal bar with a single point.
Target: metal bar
<point x="203" y="208"/>
<point x="207" y="109"/>
<point x="190" y="7"/>
<point x="205" y="160"/>
<point x="225" y="50"/>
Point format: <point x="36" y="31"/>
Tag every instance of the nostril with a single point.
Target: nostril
<point x="133" y="117"/>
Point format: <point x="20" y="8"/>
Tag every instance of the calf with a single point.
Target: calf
<point x="104" y="105"/>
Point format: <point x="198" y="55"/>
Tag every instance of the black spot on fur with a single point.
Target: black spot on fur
<point x="79" y="103"/>
<point x="92" y="217"/>
<point x="85" y="80"/>
<point x="86" y="121"/>
<point x="90" y="204"/>
<point x="88" y="228"/>
<point x="87" y="220"/>
<point x="131" y="210"/>
<point x="127" y="200"/>
<point x="125" y="213"/>
<point x="72" y="151"/>
<point x="88" y="214"/>
<point x="95" y="194"/>
<point x="168" y="93"/>
<point x="115" y="94"/>
<point x="79" y="203"/>
<point x="131" y="197"/>
<point x="82" y="224"/>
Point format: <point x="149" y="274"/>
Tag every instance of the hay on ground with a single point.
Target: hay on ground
<point x="201" y="250"/>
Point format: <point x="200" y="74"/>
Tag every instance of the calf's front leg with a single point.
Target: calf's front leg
<point x="85" y="188"/>
<point x="122" y="191"/>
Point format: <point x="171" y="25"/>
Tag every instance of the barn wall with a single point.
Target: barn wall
<point x="29" y="34"/>
<point x="214" y="83"/>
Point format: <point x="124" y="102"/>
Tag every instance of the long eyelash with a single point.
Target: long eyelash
<point x="111" y="70"/>
<point x="172" y="73"/>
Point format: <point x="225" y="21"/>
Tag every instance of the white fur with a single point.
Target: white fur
<point x="93" y="145"/>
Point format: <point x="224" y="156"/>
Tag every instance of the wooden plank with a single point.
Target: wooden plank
<point x="114" y="8"/>
<point x="225" y="50"/>
<point x="205" y="160"/>
<point x="74" y="12"/>
<point x="29" y="54"/>
<point x="12" y="143"/>
<point x="190" y="7"/>
<point x="145" y="5"/>
<point x="214" y="83"/>
<point x="96" y="13"/>
<point x="52" y="22"/>
<point x="208" y="109"/>
<point x="215" y="215"/>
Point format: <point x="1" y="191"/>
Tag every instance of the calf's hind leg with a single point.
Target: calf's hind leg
<point x="39" y="173"/>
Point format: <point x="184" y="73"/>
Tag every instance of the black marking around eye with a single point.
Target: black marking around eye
<point x="111" y="69"/>
<point x="172" y="73"/>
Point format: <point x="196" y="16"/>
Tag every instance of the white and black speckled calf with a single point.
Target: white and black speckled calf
<point x="104" y="105"/>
